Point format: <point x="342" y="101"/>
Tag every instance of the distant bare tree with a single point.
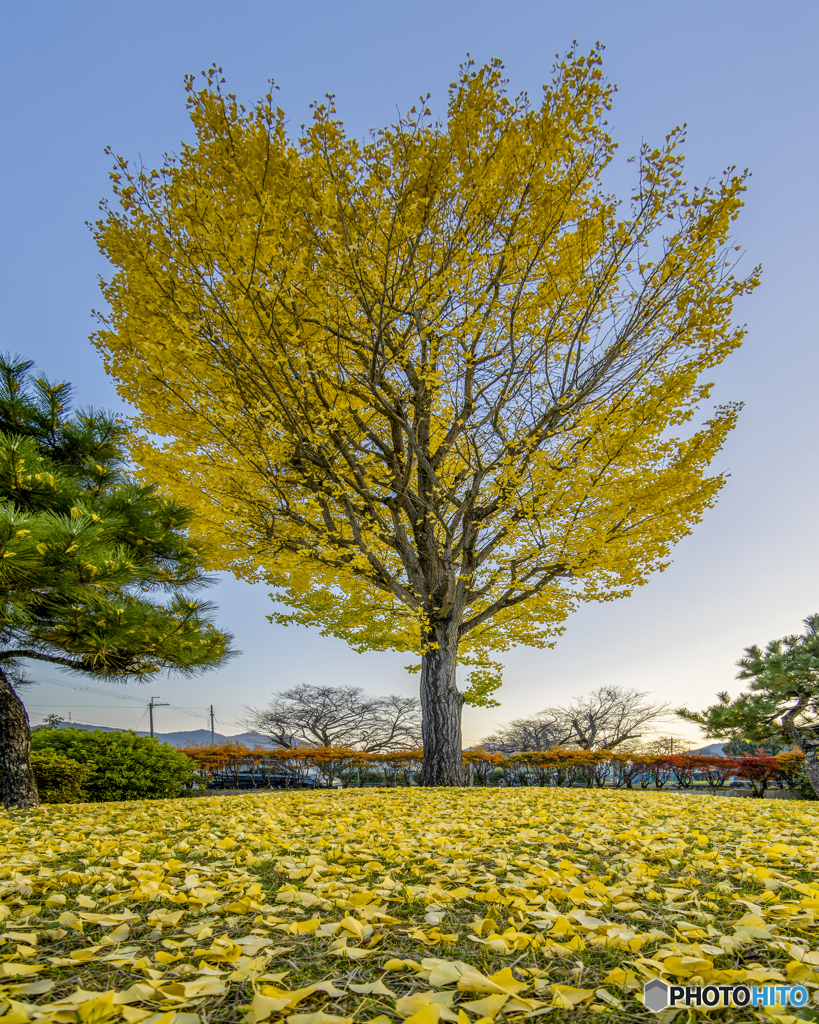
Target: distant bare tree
<point x="610" y="715"/>
<point x="397" y="724"/>
<point x="603" y="719"/>
<point x="662" y="745"/>
<point x="539" y="732"/>
<point x="338" y="716"/>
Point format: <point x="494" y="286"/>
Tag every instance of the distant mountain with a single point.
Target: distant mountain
<point x="180" y="739"/>
<point x="712" y="750"/>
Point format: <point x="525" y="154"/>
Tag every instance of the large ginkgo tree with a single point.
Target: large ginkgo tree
<point x="436" y="387"/>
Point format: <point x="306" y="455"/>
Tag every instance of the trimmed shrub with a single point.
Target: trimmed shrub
<point x="61" y="779"/>
<point x="125" y="766"/>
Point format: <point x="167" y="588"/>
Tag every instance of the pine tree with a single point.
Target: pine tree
<point x="781" y="704"/>
<point x="97" y="571"/>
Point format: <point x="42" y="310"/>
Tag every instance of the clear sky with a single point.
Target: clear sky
<point x="743" y="75"/>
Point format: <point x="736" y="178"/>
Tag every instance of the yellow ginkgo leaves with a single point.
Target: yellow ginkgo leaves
<point x="428" y="386"/>
<point x="391" y="906"/>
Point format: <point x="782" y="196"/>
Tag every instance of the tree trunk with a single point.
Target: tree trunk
<point x="812" y="769"/>
<point x="808" y="743"/>
<point x="441" y="705"/>
<point x="19" y="787"/>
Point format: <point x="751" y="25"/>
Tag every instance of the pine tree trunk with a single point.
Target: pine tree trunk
<point x="812" y="768"/>
<point x="441" y="705"/>
<point x="19" y="787"/>
<point x="809" y="745"/>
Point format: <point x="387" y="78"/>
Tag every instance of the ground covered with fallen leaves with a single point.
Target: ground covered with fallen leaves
<point x="464" y="906"/>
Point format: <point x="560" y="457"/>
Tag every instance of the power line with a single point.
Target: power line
<point x="202" y="711"/>
<point x="107" y="725"/>
<point x="87" y="688"/>
<point x="194" y="712"/>
<point x="76" y="707"/>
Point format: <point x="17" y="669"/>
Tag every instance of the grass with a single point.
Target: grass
<point x="228" y="907"/>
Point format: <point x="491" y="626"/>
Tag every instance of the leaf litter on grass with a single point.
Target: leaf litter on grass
<point x="465" y="906"/>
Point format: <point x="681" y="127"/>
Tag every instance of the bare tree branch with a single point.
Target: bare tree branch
<point x="603" y="719"/>
<point x="338" y="716"/>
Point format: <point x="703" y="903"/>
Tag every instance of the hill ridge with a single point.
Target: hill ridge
<point x="179" y="738"/>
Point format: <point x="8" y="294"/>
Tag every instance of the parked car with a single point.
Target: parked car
<point x="246" y="780"/>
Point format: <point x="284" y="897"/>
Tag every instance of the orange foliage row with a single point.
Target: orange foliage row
<point x="224" y="762"/>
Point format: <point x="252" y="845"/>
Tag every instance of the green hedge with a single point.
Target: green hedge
<point x="125" y="766"/>
<point x="61" y="779"/>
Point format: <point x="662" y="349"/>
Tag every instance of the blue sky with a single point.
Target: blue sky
<point x="83" y="76"/>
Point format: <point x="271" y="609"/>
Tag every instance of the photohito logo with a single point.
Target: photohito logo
<point x="657" y="995"/>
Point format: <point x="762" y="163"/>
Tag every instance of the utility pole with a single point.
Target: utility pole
<point x="211" y="723"/>
<point x="155" y="703"/>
